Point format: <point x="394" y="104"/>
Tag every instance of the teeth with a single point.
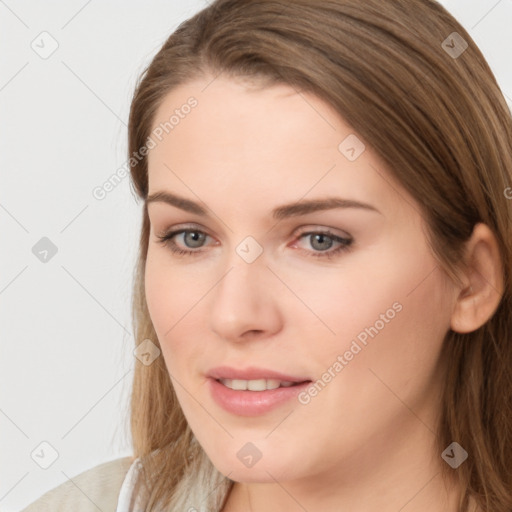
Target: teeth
<point x="254" y="385"/>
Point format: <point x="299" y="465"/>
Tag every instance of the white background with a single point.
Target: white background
<point x="66" y="361"/>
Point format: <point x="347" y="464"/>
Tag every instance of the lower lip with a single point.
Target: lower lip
<point x="252" y="403"/>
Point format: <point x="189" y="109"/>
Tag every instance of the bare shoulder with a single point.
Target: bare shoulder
<point x="95" y="489"/>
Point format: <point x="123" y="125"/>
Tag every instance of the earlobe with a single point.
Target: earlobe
<point x="478" y="300"/>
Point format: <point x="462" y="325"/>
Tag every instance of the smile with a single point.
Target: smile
<point x="253" y="397"/>
<point x="255" y="385"/>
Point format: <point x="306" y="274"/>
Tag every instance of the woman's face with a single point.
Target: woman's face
<point x="344" y="300"/>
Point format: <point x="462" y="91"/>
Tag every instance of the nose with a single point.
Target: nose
<point x="243" y="304"/>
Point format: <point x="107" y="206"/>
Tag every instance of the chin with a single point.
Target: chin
<point x="261" y="471"/>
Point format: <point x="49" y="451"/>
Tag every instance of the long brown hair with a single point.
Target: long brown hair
<point x="432" y="110"/>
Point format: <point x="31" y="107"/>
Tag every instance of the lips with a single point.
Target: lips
<point x="253" y="373"/>
<point x="253" y="391"/>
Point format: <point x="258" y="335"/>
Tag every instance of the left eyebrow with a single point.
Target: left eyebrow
<point x="315" y="205"/>
<point x="281" y="212"/>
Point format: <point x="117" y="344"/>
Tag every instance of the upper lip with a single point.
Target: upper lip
<point x="252" y="373"/>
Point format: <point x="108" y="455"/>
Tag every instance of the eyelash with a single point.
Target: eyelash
<point x="166" y="241"/>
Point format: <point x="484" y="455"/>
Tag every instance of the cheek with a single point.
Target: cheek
<point x="396" y="337"/>
<point x="159" y="298"/>
<point x="163" y="301"/>
<point x="391" y="306"/>
<point x="389" y="335"/>
<point x="172" y="297"/>
<point x="391" y="313"/>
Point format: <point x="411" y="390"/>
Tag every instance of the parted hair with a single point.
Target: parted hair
<point x="440" y="123"/>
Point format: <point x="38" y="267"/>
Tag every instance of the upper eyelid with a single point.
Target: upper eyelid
<point x="300" y="231"/>
<point x="308" y="230"/>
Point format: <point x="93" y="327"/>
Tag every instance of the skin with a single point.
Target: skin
<point x="366" y="441"/>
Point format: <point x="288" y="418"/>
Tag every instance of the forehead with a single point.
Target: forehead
<point x="243" y="116"/>
<point x="257" y="142"/>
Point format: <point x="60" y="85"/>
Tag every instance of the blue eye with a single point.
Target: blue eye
<point x="196" y="240"/>
<point x="321" y="241"/>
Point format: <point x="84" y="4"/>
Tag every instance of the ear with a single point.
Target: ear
<point x="483" y="282"/>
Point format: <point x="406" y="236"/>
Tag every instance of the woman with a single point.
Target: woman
<point x="323" y="294"/>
